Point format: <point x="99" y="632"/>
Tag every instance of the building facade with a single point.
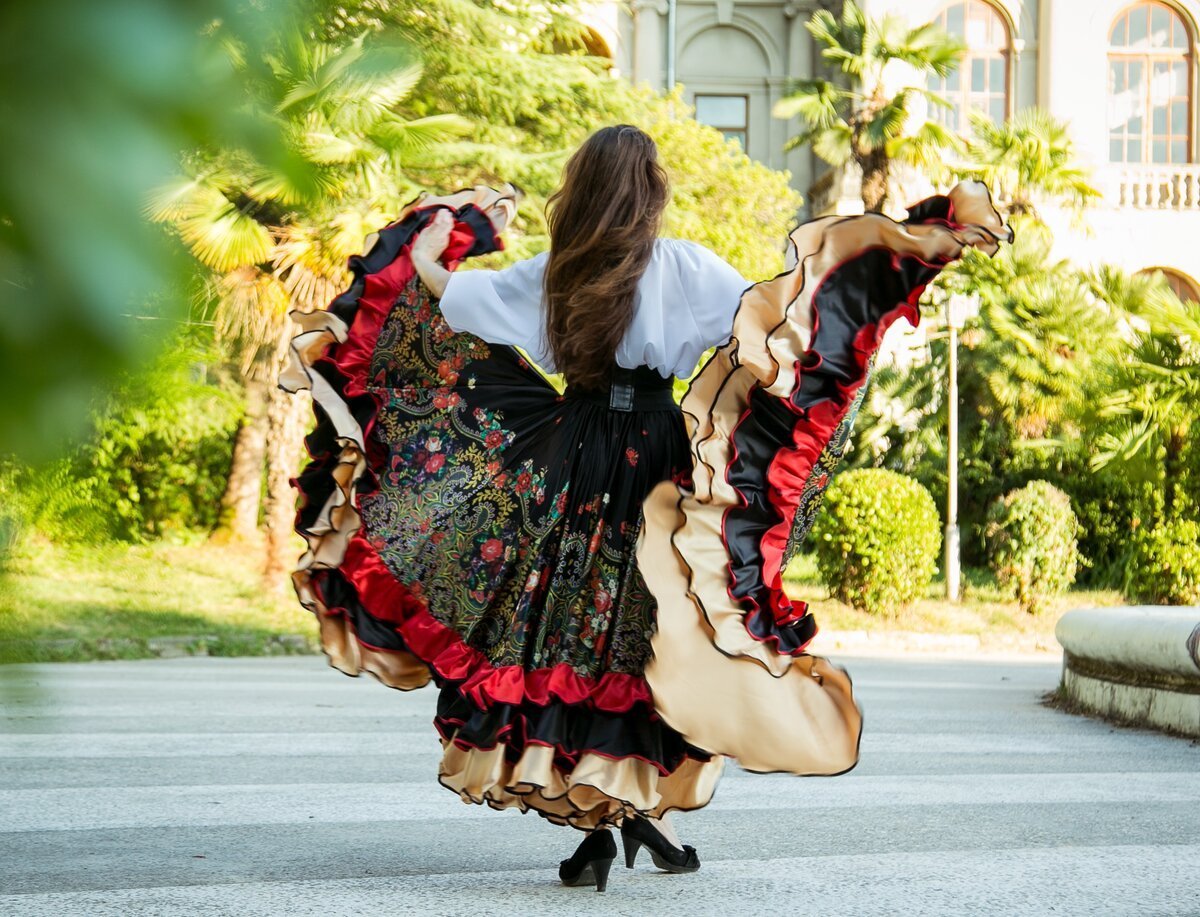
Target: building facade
<point x="1123" y="74"/>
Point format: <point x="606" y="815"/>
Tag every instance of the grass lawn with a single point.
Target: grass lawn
<point x="984" y="610"/>
<point x="75" y="603"/>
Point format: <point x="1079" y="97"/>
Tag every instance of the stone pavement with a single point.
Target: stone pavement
<point x="279" y="787"/>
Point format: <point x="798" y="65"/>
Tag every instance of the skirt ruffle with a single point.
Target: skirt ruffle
<point x="768" y="419"/>
<point x="602" y="632"/>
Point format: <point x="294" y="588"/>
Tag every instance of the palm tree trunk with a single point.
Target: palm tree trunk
<point x="1173" y="470"/>
<point x="287" y="415"/>
<point x="238" y="520"/>
<point x="874" y="180"/>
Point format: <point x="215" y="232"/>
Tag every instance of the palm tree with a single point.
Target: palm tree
<point x="867" y="120"/>
<point x="1150" y="406"/>
<point x="1029" y="156"/>
<point x="1035" y="359"/>
<point x="272" y="239"/>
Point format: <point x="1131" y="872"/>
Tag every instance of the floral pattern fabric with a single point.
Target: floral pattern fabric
<point x="512" y="510"/>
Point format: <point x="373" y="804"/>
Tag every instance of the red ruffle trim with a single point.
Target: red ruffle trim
<point x="442" y="649"/>
<point x="790" y="468"/>
<point x="353" y="357"/>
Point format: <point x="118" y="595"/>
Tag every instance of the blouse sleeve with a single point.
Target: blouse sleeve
<point x="713" y="288"/>
<point x="501" y="307"/>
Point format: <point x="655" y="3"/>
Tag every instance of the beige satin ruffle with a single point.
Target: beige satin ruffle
<point x="712" y="681"/>
<point x="394" y="668"/>
<point x="597" y="790"/>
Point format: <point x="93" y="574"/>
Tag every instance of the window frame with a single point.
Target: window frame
<point x="1148" y="58"/>
<point x="1178" y="281"/>
<point x="743" y="129"/>
<point x="961" y="96"/>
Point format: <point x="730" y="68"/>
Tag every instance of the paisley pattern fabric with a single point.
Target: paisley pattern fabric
<point x="812" y="493"/>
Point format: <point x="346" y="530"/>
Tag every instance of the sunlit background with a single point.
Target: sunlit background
<point x="178" y="177"/>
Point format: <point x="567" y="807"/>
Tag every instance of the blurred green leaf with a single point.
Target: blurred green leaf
<point x="97" y="103"/>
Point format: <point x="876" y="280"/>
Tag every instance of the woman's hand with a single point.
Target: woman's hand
<point x="433" y="239"/>
<point x="428" y="247"/>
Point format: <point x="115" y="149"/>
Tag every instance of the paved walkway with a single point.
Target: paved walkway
<point x="278" y="786"/>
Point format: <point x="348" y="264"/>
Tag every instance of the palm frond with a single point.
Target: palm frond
<point x="887" y="122"/>
<point x="834" y="144"/>
<point x="817" y="102"/>
<point x="927" y="148"/>
<point x="327" y="68"/>
<point x="1027" y="157"/>
<point x="929" y="48"/>
<point x="251" y="317"/>
<point x="223" y="237"/>
<point x="419" y="135"/>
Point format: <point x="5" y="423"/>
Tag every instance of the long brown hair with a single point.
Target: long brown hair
<point x="603" y="221"/>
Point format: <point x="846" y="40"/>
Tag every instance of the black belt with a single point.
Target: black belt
<point x="629" y="391"/>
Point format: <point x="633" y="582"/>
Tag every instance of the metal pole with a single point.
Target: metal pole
<point x="670" y="45"/>
<point x="953" y="559"/>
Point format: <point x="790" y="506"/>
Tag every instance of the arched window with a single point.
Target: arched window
<point x="981" y="81"/>
<point x="1150" y="86"/>
<point x="1180" y="283"/>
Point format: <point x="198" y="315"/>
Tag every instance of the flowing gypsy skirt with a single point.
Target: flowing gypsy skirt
<point x="596" y="588"/>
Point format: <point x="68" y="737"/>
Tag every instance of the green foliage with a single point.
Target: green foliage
<point x="877" y="539"/>
<point x="1086" y="379"/>
<point x="1166" y="565"/>
<point x="1036" y="352"/>
<point x="534" y="97"/>
<point x="520" y="74"/>
<point x="1025" y="157"/>
<point x="268" y="244"/>
<point x="12" y="511"/>
<point x="424" y="96"/>
<point x="156" y="461"/>
<point x="1111" y="508"/>
<point x="1032" y="547"/>
<point x="1141" y="423"/>
<point x="868" y="119"/>
<point x="81" y="145"/>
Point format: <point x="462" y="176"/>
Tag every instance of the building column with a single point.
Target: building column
<point x="648" y="41"/>
<point x="798" y="66"/>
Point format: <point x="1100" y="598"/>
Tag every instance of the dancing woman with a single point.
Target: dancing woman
<point x="593" y="578"/>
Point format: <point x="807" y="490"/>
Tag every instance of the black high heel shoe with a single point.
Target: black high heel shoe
<point x="591" y="861"/>
<point x="637" y="833"/>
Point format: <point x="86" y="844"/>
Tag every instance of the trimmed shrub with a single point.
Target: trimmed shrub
<point x="157" y="459"/>
<point x="1165" y="567"/>
<point x="877" y="540"/>
<point x="1111" y="507"/>
<point x="1032" y="545"/>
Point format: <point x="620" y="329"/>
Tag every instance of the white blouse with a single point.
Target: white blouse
<point x="684" y="305"/>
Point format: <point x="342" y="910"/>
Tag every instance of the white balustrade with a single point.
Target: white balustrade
<point x="1167" y="187"/>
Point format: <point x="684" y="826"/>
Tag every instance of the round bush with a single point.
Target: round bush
<point x="1166" y="565"/>
<point x="1109" y="506"/>
<point x="1032" y="545"/>
<point x="877" y="540"/>
<point x="157" y="460"/>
